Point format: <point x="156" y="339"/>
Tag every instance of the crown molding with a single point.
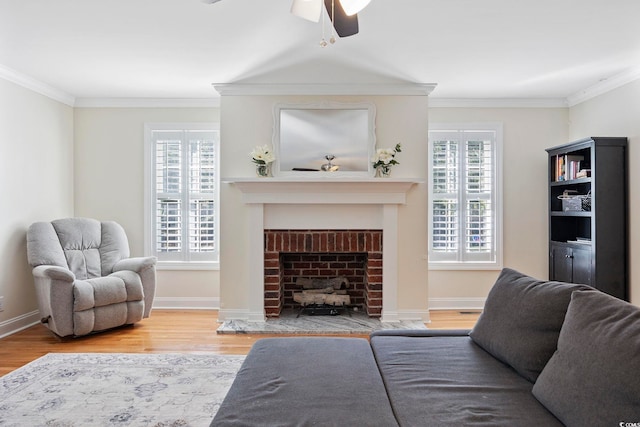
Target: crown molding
<point x="497" y="103"/>
<point x="148" y="102"/>
<point x="604" y="86"/>
<point x="37" y="86"/>
<point x="391" y="89"/>
<point x="252" y="89"/>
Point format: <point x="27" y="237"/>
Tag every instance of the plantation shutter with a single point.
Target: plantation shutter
<point x="185" y="189"/>
<point x="462" y="197"/>
<point x="446" y="179"/>
<point x="202" y="187"/>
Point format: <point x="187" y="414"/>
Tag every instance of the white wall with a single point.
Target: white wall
<point x="36" y="184"/>
<point x="527" y="132"/>
<point x="247" y="121"/>
<point x="109" y="185"/>
<point x="617" y="113"/>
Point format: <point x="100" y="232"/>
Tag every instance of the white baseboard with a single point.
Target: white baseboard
<point x="11" y="326"/>
<point x="186" y="303"/>
<point x="422" y="315"/>
<point x="19" y="323"/>
<point x="456" y="303"/>
<point x="233" y="314"/>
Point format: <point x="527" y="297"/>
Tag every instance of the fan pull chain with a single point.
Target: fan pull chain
<point x="323" y="42"/>
<point x="332" y="39"/>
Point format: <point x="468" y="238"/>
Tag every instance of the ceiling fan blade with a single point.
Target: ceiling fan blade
<point x="307" y="9"/>
<point x="210" y="1"/>
<point x="344" y="24"/>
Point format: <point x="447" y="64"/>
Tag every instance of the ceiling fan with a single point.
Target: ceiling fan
<point x="343" y="13"/>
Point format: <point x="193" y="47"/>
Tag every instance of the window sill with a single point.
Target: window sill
<point x="465" y="266"/>
<point x="194" y="265"/>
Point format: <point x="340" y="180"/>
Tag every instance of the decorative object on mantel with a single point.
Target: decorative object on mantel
<point x="384" y="159"/>
<point x="330" y="167"/>
<point x="262" y="156"/>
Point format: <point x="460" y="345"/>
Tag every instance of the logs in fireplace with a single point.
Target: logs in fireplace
<point x="322" y="296"/>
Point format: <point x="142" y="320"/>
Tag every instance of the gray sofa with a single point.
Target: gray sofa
<point x="541" y="354"/>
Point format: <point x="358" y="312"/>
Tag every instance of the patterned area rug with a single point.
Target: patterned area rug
<point x="117" y="390"/>
<point x="289" y="323"/>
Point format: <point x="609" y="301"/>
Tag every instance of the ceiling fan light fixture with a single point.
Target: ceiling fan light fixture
<point x="307" y="9"/>
<point x="351" y="7"/>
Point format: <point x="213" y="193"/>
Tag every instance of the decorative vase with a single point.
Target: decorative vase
<point x="263" y="170"/>
<point x="383" y="171"/>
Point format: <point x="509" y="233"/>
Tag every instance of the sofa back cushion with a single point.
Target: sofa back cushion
<point x="521" y="320"/>
<point x="592" y="379"/>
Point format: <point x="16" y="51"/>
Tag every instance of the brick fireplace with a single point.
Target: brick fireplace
<point x="355" y="254"/>
<point x="305" y="205"/>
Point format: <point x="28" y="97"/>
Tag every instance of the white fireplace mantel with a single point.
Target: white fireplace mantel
<point x="382" y="195"/>
<point x="331" y="190"/>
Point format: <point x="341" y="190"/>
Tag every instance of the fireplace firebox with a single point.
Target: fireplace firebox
<point x="315" y="254"/>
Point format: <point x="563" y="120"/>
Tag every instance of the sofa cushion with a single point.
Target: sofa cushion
<point x="307" y="381"/>
<point x="451" y="381"/>
<point x="521" y="320"/>
<point x="592" y="379"/>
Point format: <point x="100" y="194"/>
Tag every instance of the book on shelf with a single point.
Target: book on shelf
<point x="567" y="167"/>
<point x="583" y="173"/>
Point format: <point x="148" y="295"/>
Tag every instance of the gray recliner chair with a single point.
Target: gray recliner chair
<point x="85" y="281"/>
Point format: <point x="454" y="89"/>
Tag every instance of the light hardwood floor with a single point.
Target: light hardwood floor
<point x="166" y="331"/>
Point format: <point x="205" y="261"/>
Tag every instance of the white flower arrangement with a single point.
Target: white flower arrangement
<point x="385" y="157"/>
<point x="262" y="155"/>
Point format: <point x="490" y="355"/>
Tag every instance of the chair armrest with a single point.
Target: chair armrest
<point x="54" y="291"/>
<point x="54" y="272"/>
<point x="135" y="264"/>
<point x="421" y="333"/>
<point x="146" y="268"/>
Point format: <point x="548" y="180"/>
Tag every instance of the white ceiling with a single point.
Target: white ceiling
<point x="542" y="49"/>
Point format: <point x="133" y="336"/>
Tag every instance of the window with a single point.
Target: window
<point x="465" y="202"/>
<point x="182" y="202"/>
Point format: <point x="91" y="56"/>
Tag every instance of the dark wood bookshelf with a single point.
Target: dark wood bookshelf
<point x="588" y="214"/>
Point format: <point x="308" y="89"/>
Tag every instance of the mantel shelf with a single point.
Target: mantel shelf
<point x="319" y="190"/>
